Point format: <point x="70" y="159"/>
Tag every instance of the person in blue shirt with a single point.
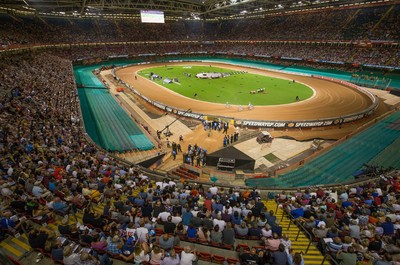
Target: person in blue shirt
<point x="217" y="206"/>
<point x="236" y="219"/>
<point x="346" y="204"/>
<point x="52" y="185"/>
<point x="128" y="247"/>
<point x="60" y="206"/>
<point x="57" y="251"/>
<point x="7" y="223"/>
<point x="187" y="217"/>
<point x="143" y="194"/>
<point x="297" y="212"/>
<point x="139" y="202"/>
<point x="388" y="227"/>
<point x="113" y="245"/>
<point x="191" y="232"/>
<point x="276" y="229"/>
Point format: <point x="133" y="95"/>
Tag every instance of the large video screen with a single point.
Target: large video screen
<point x="152" y="16"/>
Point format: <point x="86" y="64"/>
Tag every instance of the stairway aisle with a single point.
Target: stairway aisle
<point x="313" y="256"/>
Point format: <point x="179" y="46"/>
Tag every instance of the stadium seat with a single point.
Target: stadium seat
<point x="159" y="231"/>
<point x="193" y="240"/>
<point x="204" y="256"/>
<point x="240" y="237"/>
<point x="226" y="246"/>
<point x="232" y="260"/>
<point x="203" y="242"/>
<point x="178" y="249"/>
<point x="215" y="244"/>
<point x="218" y="259"/>
<point x="242" y="247"/>
<point x="259" y="247"/>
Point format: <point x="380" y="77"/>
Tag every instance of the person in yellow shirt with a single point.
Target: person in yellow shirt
<point x="96" y="195"/>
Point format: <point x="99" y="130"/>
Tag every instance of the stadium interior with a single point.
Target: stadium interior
<point x="96" y="171"/>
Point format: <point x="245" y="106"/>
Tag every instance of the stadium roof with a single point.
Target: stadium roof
<point x="185" y="9"/>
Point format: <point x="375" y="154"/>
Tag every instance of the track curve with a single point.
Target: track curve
<point x="330" y="99"/>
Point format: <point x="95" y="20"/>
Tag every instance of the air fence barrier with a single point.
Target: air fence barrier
<point x="371" y="81"/>
<point x="264" y="123"/>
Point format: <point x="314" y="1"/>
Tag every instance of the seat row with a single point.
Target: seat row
<point x="184" y="174"/>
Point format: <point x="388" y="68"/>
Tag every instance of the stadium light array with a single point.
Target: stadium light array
<point x="297" y="6"/>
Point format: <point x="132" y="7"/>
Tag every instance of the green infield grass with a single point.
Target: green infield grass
<point x="234" y="88"/>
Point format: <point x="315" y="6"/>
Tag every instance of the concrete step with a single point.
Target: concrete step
<point x="15" y="247"/>
<point x="313" y="255"/>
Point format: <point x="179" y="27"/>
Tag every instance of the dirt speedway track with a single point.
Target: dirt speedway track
<point x="329" y="100"/>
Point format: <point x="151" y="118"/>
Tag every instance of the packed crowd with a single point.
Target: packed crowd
<point x="50" y="171"/>
<point x="337" y="24"/>
<point x="353" y="224"/>
<point x="312" y="54"/>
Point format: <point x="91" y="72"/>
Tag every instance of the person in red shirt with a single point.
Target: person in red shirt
<point x="58" y="173"/>
<point x="331" y="204"/>
<point x="320" y="193"/>
<point x="194" y="192"/>
<point x="208" y="204"/>
<point x="106" y="179"/>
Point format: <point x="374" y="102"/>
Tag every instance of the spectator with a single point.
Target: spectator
<point x="273" y="243"/>
<point x="114" y="245"/>
<point x="86" y="259"/>
<point x="140" y="254"/>
<point x="216" y="235"/>
<point x="242" y="230"/>
<point x="250" y="258"/>
<point x="38" y="238"/>
<point x="166" y="242"/>
<point x="157" y="255"/>
<point x="188" y="256"/>
<point x="280" y="257"/>
<point x="388" y="227"/>
<point x="191" y="232"/>
<point x="69" y="258"/>
<point x="57" y="251"/>
<point x="347" y="258"/>
<point x="171" y="259"/>
<point x="228" y="235"/>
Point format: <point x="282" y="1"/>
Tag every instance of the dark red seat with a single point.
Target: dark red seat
<point x="218" y="259"/>
<point x="204" y="256"/>
<point x="242" y="247"/>
<point x="232" y="260"/>
<point x="178" y="249"/>
<point x="215" y="244"/>
<point x="226" y="246"/>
